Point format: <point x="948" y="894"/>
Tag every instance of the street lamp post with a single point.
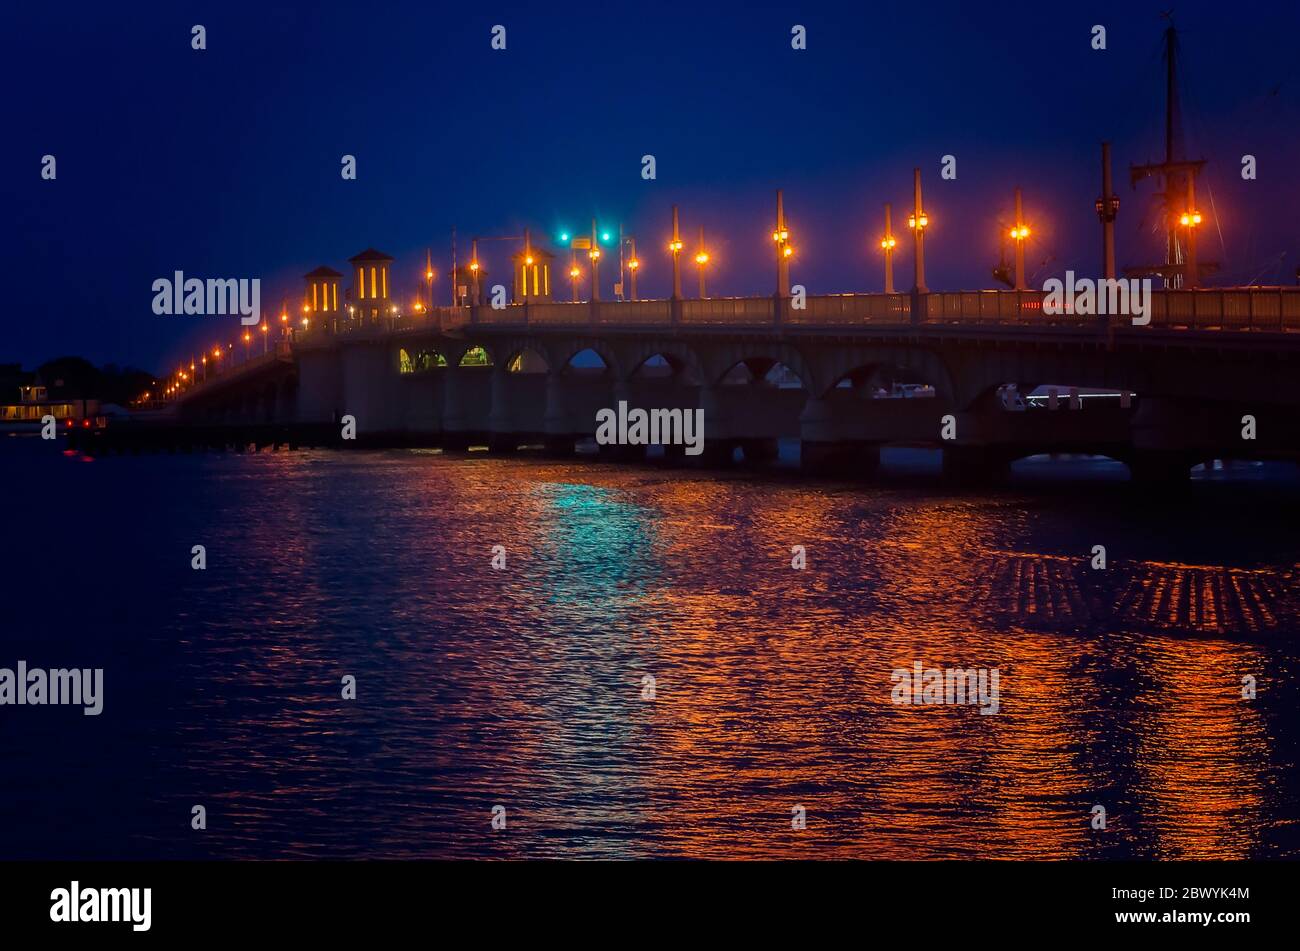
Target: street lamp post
<point x="1019" y="232"/>
<point x="594" y="254"/>
<point x="632" y="266"/>
<point x="1191" y="220"/>
<point x="473" y="268"/>
<point x="575" y="274"/>
<point x="675" y="246"/>
<point x="784" y="251"/>
<point x="428" y="275"/>
<point x="918" y="221"/>
<point x="265" y="337"/>
<point x="702" y="259"/>
<point x="1107" y="210"/>
<point x="887" y="244"/>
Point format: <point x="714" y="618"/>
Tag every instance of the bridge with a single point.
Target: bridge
<point x="765" y="369"/>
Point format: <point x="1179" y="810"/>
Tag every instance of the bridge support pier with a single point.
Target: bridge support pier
<point x="502" y="438"/>
<point x="759" y="451"/>
<point x="559" y="436"/>
<point x="1154" y="467"/>
<point x="617" y="453"/>
<point x="848" y="457"/>
<point x="715" y="454"/>
<point x="975" y="465"/>
<point x="831" y="431"/>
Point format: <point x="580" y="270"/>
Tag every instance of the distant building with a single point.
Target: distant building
<point x="323" y="290"/>
<point x="25" y="401"/>
<point x="532" y="275"/>
<point x="370" y="285"/>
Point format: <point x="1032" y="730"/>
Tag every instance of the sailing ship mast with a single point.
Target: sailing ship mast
<point x="1181" y="268"/>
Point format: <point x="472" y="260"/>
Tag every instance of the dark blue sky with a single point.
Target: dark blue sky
<point x="225" y="163"/>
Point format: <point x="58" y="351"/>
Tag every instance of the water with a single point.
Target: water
<point x="523" y="687"/>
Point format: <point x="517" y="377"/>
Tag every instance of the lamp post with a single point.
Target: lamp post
<point x="627" y="265"/>
<point x="594" y="254"/>
<point x="1019" y="232"/>
<point x="632" y="266"/>
<point x="1107" y="210"/>
<point x="701" y="259"/>
<point x="1191" y="220"/>
<point x="248" y="339"/>
<point x="428" y="274"/>
<point x="575" y="274"/>
<point x="784" y="251"/>
<point x="675" y="246"/>
<point x="918" y="221"/>
<point x="473" y="269"/>
<point x="265" y="337"/>
<point x="887" y="244"/>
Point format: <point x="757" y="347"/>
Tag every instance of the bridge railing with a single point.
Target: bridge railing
<point x="989" y="307"/>
<point x="1261" y="309"/>
<point x="221" y="374"/>
<point x="851" y="310"/>
<point x="1264" y="309"/>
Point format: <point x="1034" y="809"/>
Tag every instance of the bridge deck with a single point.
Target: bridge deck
<point x="1262" y="310"/>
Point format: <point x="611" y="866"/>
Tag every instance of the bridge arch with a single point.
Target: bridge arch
<point x="528" y="359"/>
<point x="653" y="362"/>
<point x="608" y="365"/>
<point x="763" y="370"/>
<point x="417" y="361"/>
<point x="758" y="360"/>
<point x="475" y="355"/>
<point x="863" y="365"/>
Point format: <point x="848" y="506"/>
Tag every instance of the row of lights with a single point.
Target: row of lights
<point x="916" y="222"/>
<point x="182" y="379"/>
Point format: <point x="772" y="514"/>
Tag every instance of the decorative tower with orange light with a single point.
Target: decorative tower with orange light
<point x="532" y="268"/>
<point x="370" y="282"/>
<point x="322" y="291"/>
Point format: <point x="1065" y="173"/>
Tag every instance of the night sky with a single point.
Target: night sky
<point x="225" y="162"/>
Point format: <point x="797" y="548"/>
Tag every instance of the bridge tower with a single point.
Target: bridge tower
<point x="532" y="268"/>
<point x="370" y="282"/>
<point x="322" y="292"/>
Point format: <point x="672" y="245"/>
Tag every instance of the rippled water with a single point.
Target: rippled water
<point x="523" y="687"/>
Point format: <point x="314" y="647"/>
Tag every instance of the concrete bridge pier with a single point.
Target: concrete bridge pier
<point x="370" y="393"/>
<point x="502" y="437"/>
<point x="975" y="464"/>
<point x="753" y="416"/>
<point x="454" y="422"/>
<point x="720" y="419"/>
<point x="832" y="438"/>
<point x="1170" y="436"/>
<point x="422" y="397"/>
<point x="759" y="452"/>
<point x="621" y="392"/>
<point x="557" y="430"/>
<point x="320" y="385"/>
